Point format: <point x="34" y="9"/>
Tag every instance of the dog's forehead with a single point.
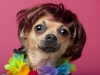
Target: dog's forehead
<point x="49" y="22"/>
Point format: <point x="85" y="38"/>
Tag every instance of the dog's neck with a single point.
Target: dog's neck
<point x="37" y="58"/>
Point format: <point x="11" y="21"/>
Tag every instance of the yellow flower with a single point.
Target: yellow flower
<point x="73" y="68"/>
<point x="17" y="66"/>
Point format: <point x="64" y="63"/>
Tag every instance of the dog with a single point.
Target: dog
<point x="48" y="33"/>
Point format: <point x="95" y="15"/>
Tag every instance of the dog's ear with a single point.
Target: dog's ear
<point x="26" y="18"/>
<point x="25" y="25"/>
<point x="78" y="39"/>
<point x="23" y="39"/>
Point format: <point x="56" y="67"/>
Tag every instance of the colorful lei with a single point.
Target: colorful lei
<point x="17" y="66"/>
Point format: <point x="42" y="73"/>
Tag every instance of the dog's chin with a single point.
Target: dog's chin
<point x="48" y="49"/>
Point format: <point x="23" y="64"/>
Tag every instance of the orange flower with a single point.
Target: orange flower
<point x="23" y="71"/>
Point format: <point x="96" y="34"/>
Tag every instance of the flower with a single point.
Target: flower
<point x="33" y="73"/>
<point x="17" y="65"/>
<point x="66" y="68"/>
<point x="47" y="70"/>
<point x="24" y="70"/>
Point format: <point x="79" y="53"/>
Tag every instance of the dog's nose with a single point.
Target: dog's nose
<point x="51" y="38"/>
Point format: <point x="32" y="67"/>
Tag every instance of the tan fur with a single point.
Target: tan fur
<point x="35" y="56"/>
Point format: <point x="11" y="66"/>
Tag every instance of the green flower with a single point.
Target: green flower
<point x="15" y="63"/>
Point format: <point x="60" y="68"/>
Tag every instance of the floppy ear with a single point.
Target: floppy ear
<point x="78" y="39"/>
<point x="25" y="21"/>
<point x="22" y="23"/>
<point x="23" y="39"/>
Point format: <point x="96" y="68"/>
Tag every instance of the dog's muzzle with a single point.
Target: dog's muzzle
<point x="50" y="44"/>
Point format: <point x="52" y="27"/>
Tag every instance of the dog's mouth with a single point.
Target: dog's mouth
<point x="49" y="49"/>
<point x="49" y="46"/>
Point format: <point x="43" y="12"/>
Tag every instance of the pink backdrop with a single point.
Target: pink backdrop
<point x="88" y="12"/>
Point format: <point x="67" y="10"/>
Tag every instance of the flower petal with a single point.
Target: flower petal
<point x="24" y="70"/>
<point x="47" y="70"/>
<point x="33" y="73"/>
<point x="64" y="68"/>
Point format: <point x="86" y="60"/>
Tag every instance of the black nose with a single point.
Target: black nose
<point x="51" y="38"/>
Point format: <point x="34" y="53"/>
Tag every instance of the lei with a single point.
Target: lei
<point x="17" y="66"/>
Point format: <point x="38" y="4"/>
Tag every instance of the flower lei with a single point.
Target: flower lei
<point x="17" y="66"/>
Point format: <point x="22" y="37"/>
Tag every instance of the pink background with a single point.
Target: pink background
<point x="88" y="12"/>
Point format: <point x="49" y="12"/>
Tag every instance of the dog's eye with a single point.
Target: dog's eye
<point x="39" y="28"/>
<point x="63" y="32"/>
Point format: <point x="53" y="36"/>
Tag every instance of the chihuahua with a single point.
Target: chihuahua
<point x="48" y="33"/>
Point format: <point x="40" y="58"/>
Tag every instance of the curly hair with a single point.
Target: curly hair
<point x="28" y="17"/>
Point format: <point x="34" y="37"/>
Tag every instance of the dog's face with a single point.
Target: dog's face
<point x="50" y="29"/>
<point x="49" y="36"/>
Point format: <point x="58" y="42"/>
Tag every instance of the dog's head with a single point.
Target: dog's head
<point x="51" y="28"/>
